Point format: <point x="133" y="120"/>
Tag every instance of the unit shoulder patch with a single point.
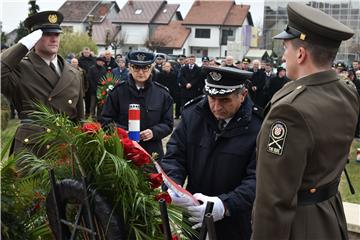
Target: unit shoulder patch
<point x="277" y="137"/>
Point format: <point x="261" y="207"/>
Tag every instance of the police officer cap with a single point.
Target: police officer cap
<point x="221" y="81"/>
<point x="340" y="65"/>
<point x="313" y="25"/>
<point x="279" y="69"/>
<point x="141" y="58"/>
<point x="181" y="56"/>
<point x="48" y="21"/>
<point x="205" y="59"/>
<point x="246" y="60"/>
<point x="161" y="56"/>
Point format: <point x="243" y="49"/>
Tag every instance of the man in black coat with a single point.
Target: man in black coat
<point x="86" y="60"/>
<point x="276" y="83"/>
<point x="257" y="84"/>
<point x="94" y="75"/>
<point x="214" y="148"/>
<point x="156" y="104"/>
<point x="190" y="80"/>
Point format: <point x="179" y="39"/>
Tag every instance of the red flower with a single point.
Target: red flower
<point x="122" y="133"/>
<point x="109" y="79"/>
<point x="165" y="196"/>
<point x="174" y="237"/>
<point x="91" y="127"/>
<point x="155" y="180"/>
<point x="136" y="155"/>
<point x="103" y="93"/>
<point x="103" y="82"/>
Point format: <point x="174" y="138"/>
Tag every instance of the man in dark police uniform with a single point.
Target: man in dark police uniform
<point x="156" y="104"/>
<point x="304" y="142"/>
<point x="214" y="147"/>
<point x="40" y="76"/>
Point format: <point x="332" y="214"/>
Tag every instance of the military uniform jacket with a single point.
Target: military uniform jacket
<point x="304" y="144"/>
<point x="28" y="79"/>
<point x="217" y="163"/>
<point x="156" y="111"/>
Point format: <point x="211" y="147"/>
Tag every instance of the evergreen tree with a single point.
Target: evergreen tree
<point x="21" y="32"/>
<point x="34" y="8"/>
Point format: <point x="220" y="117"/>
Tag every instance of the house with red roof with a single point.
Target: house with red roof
<point x="215" y="25"/>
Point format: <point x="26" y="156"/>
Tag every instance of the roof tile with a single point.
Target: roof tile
<point x="172" y="35"/>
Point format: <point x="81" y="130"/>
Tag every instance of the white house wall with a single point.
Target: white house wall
<point x="213" y="41"/>
<point x="135" y="34"/>
<point x="77" y="27"/>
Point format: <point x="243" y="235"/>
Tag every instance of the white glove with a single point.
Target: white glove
<point x="31" y="39"/>
<point x="197" y="212"/>
<point x="180" y="201"/>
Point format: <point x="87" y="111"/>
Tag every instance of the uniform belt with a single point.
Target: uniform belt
<point x="316" y="195"/>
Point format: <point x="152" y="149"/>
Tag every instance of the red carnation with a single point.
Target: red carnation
<point x="103" y="93"/>
<point x="174" y="237"/>
<point x="91" y="127"/>
<point x="136" y="155"/>
<point x="165" y="196"/>
<point x="109" y="79"/>
<point x="122" y="133"/>
<point x="103" y="82"/>
<point x="155" y="180"/>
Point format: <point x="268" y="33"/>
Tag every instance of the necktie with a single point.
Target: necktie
<point x="52" y="66"/>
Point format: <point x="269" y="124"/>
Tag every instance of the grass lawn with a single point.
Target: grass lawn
<point x="353" y="169"/>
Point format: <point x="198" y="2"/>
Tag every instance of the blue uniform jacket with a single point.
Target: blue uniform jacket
<point x="217" y="163"/>
<point x="156" y="111"/>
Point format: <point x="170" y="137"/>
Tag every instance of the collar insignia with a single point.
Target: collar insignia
<point x="52" y="18"/>
<point x="140" y="57"/>
<point x="215" y="76"/>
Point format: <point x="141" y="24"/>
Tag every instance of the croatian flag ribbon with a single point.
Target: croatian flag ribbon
<point x="134" y="122"/>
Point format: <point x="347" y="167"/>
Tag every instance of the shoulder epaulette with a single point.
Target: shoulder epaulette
<point x="195" y="100"/>
<point x="162" y="86"/>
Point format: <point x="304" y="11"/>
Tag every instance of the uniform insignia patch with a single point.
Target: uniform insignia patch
<point x="52" y="18"/>
<point x="277" y="138"/>
<point x="215" y="76"/>
<point x="140" y="57"/>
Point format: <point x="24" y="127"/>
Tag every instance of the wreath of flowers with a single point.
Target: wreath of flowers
<point x="107" y="83"/>
<point x="117" y="167"/>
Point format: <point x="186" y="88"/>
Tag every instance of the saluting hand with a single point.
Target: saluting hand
<point x="146" y="135"/>
<point x="31" y="39"/>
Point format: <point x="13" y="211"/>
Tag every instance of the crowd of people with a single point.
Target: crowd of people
<point x="266" y="147"/>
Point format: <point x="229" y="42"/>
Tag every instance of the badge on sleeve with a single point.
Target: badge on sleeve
<point x="277" y="138"/>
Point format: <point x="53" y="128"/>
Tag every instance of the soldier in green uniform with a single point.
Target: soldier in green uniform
<point x="31" y="71"/>
<point x="303" y="144"/>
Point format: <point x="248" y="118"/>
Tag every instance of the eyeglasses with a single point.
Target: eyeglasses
<point x="137" y="68"/>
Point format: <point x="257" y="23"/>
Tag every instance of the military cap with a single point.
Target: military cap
<point x="181" y="56"/>
<point x="162" y="56"/>
<point x="48" y="21"/>
<point x="221" y="81"/>
<point x="313" y="25"/>
<point x="341" y="65"/>
<point x="246" y="60"/>
<point x="205" y="59"/>
<point x="140" y="58"/>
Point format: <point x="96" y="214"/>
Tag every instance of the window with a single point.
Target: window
<point x="138" y="11"/>
<point x="202" y="33"/>
<point x="227" y="34"/>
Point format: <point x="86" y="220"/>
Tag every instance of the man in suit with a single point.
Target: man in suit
<point x="31" y="71"/>
<point x="190" y="79"/>
<point x="304" y="142"/>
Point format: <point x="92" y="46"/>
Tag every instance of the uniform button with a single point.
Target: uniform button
<point x="50" y="98"/>
<point x="312" y="190"/>
<point x="26" y="140"/>
<point x="298" y="87"/>
<point x="255" y="108"/>
<point x="70" y="101"/>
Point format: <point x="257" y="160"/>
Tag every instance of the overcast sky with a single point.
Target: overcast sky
<point x="14" y="11"/>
